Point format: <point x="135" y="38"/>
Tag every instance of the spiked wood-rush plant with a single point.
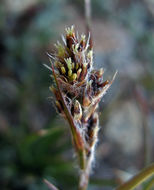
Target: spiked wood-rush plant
<point x="78" y="90"/>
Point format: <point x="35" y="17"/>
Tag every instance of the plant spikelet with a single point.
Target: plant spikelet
<point x="79" y="89"/>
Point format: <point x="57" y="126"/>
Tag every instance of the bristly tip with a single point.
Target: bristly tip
<point x="49" y="55"/>
<point x="114" y="76"/>
<point x="47" y="66"/>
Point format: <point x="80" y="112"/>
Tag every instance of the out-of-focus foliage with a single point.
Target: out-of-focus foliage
<point x="34" y="143"/>
<point x="28" y="153"/>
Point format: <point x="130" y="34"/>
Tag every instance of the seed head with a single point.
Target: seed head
<point x="79" y="87"/>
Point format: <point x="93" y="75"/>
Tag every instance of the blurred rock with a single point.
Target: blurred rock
<point x="3" y="123"/>
<point x="35" y="117"/>
<point x="110" y="37"/>
<point x="125" y="127"/>
<point x="150" y="5"/>
<point x="115" y="49"/>
<point x="9" y="90"/>
<point x="18" y="5"/>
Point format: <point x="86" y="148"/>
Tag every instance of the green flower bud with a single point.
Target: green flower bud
<point x="74" y="76"/>
<point x="69" y="63"/>
<point x="79" y="72"/>
<point x="63" y="70"/>
<point x="75" y="48"/>
<point x="70" y="30"/>
<point x="77" y="110"/>
<point x="77" y="66"/>
<point x="72" y="65"/>
<point x="83" y="37"/>
<point x="60" y="49"/>
<point x="69" y="73"/>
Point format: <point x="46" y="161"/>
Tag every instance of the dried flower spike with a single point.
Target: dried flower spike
<point x="78" y="91"/>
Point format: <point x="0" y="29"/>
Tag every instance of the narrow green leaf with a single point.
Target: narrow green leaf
<point x="138" y="179"/>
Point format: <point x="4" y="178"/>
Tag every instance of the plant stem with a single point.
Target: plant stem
<point x="82" y="159"/>
<point x="84" y="176"/>
<point x="84" y="180"/>
<point x="138" y="179"/>
<point x="146" y="141"/>
<point x="147" y="149"/>
<point x="85" y="170"/>
<point x="82" y="186"/>
<point x="88" y="20"/>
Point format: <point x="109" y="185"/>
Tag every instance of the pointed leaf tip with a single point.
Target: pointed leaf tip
<point x="47" y="67"/>
<point x="50" y="185"/>
<point x="49" y="55"/>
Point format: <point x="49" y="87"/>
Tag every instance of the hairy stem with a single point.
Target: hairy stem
<point x="88" y="20"/>
<point x="85" y="170"/>
<point x="84" y="179"/>
<point x="84" y="176"/>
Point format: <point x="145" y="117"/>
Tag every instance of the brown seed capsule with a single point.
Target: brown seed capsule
<point x="79" y="72"/>
<point x="104" y="83"/>
<point x="100" y="72"/>
<point x="63" y="70"/>
<point x="77" y="112"/>
<point x="89" y="88"/>
<point x="74" y="77"/>
<point x="84" y="72"/>
<point x="70" y="37"/>
<point x="86" y="101"/>
<point x="92" y="130"/>
<point x="82" y="43"/>
<point x="88" y="113"/>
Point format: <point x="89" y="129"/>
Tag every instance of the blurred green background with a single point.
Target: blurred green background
<point x="35" y="142"/>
